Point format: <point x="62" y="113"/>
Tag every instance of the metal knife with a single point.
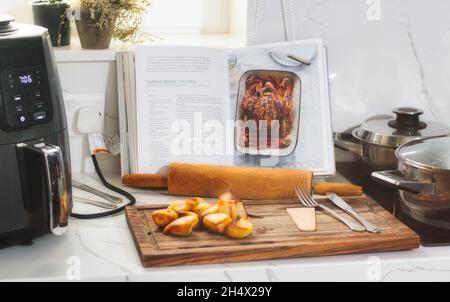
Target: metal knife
<point x="108" y="197"/>
<point x="339" y="202"/>
<point x="298" y="59"/>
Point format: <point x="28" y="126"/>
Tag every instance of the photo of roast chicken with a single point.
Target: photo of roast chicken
<point x="268" y="98"/>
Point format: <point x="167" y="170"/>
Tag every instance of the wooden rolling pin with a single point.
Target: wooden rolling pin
<point x="245" y="182"/>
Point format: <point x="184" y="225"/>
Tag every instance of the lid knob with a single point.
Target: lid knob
<point x="6" y="19"/>
<point x="407" y="119"/>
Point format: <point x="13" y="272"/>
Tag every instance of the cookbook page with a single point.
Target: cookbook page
<point x="182" y="106"/>
<point x="262" y="77"/>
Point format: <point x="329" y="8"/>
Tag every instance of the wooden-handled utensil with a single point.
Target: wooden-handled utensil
<point x="245" y="182"/>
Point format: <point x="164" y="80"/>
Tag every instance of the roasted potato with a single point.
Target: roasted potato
<point x="227" y="217"/>
<point x="233" y="208"/>
<point x="216" y="223"/>
<point x="240" y="229"/>
<point x="189" y="213"/>
<point x="164" y="217"/>
<point x="211" y="210"/>
<point x="196" y="200"/>
<point x="181" y="205"/>
<point x="182" y="226"/>
<point x="200" y="207"/>
<point x="227" y="196"/>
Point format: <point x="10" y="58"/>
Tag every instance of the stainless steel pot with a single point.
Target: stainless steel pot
<point x="423" y="180"/>
<point x="376" y="140"/>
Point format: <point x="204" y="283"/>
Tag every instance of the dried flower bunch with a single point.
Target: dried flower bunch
<point x="122" y="17"/>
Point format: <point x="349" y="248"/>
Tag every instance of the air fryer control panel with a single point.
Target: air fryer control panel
<point x="25" y="97"/>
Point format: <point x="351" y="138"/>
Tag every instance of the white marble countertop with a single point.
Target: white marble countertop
<point x="103" y="250"/>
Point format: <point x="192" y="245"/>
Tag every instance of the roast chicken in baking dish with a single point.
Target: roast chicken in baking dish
<point x="268" y="97"/>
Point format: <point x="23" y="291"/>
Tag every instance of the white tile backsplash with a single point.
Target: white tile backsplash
<point x="90" y="84"/>
<point x="374" y="65"/>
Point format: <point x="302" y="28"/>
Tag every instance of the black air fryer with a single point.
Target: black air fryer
<point x="35" y="180"/>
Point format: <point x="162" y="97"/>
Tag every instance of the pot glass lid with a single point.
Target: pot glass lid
<point x="404" y="128"/>
<point x="431" y="153"/>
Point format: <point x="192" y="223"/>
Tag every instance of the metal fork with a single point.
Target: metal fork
<point x="309" y="202"/>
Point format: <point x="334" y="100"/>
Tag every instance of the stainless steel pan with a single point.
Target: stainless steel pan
<point x="423" y="180"/>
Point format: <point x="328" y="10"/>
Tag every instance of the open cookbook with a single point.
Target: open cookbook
<point x="265" y="105"/>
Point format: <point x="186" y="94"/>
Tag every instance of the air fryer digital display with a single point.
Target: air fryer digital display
<point x="25" y="79"/>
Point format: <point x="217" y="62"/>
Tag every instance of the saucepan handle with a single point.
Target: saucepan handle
<point x="346" y="141"/>
<point x="395" y="179"/>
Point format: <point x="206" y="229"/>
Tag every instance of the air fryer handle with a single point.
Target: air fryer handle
<point x="55" y="180"/>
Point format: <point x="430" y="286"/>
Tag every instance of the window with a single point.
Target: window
<point x="188" y="17"/>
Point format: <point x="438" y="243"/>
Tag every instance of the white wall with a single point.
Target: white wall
<point x="20" y="9"/>
<point x="374" y="65"/>
<point x="87" y="84"/>
<point x="88" y="79"/>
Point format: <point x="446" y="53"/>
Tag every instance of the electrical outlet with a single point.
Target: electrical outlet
<point x="89" y="120"/>
<point x="91" y="106"/>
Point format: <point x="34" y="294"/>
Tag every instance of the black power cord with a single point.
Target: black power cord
<point x="111" y="187"/>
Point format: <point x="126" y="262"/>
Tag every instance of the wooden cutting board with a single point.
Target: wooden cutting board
<point x="275" y="236"/>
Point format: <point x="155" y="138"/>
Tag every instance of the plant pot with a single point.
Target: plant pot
<point x="54" y="18"/>
<point x="91" y="36"/>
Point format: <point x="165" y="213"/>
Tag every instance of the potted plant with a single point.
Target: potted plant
<point x="53" y="15"/>
<point x="98" y="21"/>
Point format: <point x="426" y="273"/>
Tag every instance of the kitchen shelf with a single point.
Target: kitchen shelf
<point x="74" y="52"/>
